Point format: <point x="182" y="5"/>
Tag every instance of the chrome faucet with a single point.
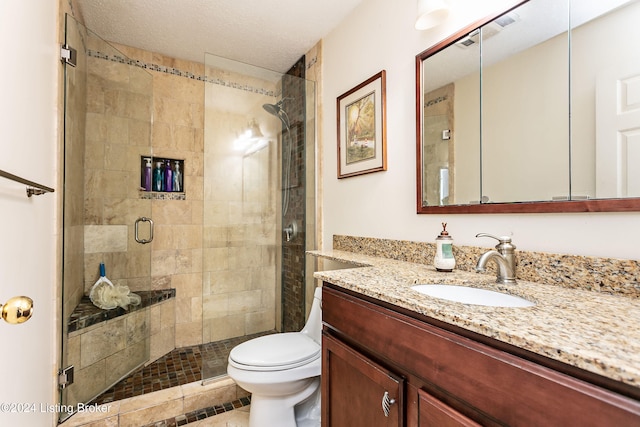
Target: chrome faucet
<point x="504" y="256"/>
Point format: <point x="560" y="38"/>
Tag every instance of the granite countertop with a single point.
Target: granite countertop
<point x="596" y="332"/>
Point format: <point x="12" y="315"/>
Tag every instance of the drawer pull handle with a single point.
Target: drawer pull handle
<point x="386" y="403"/>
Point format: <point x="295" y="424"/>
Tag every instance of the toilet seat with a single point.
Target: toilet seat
<point x="275" y="352"/>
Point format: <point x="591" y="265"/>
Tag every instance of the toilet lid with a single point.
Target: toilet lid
<point x="275" y="352"/>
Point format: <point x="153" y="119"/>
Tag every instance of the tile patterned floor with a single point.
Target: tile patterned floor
<point x="206" y="413"/>
<point x="179" y="367"/>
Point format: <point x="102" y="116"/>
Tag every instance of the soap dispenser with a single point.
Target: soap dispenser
<point x="158" y="177"/>
<point x="147" y="174"/>
<point x="444" y="260"/>
<point x="177" y="177"/>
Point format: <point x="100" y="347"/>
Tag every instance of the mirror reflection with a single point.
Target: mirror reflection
<point x="519" y="109"/>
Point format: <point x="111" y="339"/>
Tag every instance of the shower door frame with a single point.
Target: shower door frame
<point x="87" y="184"/>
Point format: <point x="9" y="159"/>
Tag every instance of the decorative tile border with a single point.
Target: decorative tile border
<point x="200" y="414"/>
<point x="608" y="275"/>
<point x="180" y="73"/>
<point x="153" y="195"/>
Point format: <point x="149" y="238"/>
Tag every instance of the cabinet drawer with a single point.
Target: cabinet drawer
<point x="492" y="382"/>
<point x="434" y="413"/>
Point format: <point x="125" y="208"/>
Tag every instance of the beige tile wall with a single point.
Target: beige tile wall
<point x="104" y="353"/>
<point x="176" y="251"/>
<point x="118" y="133"/>
<point x="240" y="211"/>
<point x="240" y="241"/>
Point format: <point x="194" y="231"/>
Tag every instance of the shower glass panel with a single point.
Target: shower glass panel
<point x="259" y="203"/>
<point x="107" y="130"/>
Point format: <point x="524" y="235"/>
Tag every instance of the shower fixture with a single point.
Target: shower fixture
<point x="277" y="110"/>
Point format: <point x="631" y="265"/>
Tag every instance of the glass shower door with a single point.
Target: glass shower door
<point x="259" y="204"/>
<point x="108" y="119"/>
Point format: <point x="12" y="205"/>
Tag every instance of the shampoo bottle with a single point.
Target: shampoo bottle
<point x="177" y="177"/>
<point x="168" y="176"/>
<point x="158" y="179"/>
<point x="147" y="174"/>
<point x="444" y="260"/>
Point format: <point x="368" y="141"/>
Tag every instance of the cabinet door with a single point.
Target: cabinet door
<point x="434" y="413"/>
<point x="357" y="392"/>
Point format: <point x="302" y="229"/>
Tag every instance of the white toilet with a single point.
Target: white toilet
<point x="282" y="372"/>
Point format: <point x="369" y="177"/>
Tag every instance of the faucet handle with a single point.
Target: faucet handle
<point x="502" y="239"/>
<point x="504" y="242"/>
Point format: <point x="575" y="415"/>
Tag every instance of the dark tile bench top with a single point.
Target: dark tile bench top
<point x="87" y="314"/>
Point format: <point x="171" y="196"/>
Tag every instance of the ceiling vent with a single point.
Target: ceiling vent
<point x="489" y="30"/>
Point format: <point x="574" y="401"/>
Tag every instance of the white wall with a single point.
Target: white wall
<point x="28" y="148"/>
<point x="379" y="34"/>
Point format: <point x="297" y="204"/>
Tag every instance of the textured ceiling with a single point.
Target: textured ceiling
<point x="272" y="34"/>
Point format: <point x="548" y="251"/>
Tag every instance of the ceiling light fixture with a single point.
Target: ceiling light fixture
<point x="431" y="13"/>
<point x="250" y="139"/>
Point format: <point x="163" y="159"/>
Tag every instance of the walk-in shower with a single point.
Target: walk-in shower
<point x="220" y="268"/>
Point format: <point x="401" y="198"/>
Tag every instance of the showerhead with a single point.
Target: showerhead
<point x="277" y="110"/>
<point x="274" y="109"/>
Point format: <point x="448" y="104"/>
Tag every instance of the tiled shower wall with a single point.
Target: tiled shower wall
<point x="176" y="251"/>
<point x="241" y="216"/>
<point x="293" y="252"/>
<point x="105" y="352"/>
<point x="108" y="123"/>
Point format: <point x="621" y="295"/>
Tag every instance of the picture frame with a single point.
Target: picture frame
<point x="362" y="124"/>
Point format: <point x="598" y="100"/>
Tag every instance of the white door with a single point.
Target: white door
<point x="618" y="132"/>
<point x="28" y="148"/>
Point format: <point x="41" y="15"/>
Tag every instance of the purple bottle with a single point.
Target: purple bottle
<point x="147" y="174"/>
<point x="168" y="176"/>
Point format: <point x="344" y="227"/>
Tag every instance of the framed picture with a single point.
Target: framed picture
<point x="362" y="128"/>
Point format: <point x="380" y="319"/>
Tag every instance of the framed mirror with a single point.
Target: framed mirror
<point x="536" y="109"/>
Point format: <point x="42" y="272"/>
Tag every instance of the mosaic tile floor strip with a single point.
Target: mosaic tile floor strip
<point x="180" y="366"/>
<point x="201" y="414"/>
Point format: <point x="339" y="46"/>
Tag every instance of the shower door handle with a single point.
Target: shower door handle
<point x="138" y="221"/>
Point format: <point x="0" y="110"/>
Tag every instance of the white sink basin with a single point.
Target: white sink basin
<point x="468" y="295"/>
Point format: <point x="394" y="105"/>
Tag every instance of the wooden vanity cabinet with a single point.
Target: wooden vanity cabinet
<point x="439" y="378"/>
<point x="357" y="389"/>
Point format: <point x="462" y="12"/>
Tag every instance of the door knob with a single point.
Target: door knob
<point x="17" y="310"/>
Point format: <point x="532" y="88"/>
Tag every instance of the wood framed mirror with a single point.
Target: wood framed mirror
<point x="536" y="109"/>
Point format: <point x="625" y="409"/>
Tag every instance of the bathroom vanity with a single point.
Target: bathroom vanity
<point x="397" y="358"/>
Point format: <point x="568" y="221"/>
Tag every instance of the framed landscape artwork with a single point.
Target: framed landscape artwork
<point x="362" y="128"/>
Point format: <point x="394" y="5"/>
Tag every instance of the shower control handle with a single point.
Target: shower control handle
<point x="290" y="232"/>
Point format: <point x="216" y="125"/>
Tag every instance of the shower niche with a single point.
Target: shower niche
<point x="161" y="175"/>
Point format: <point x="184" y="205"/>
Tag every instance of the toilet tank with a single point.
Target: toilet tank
<point x="313" y="327"/>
